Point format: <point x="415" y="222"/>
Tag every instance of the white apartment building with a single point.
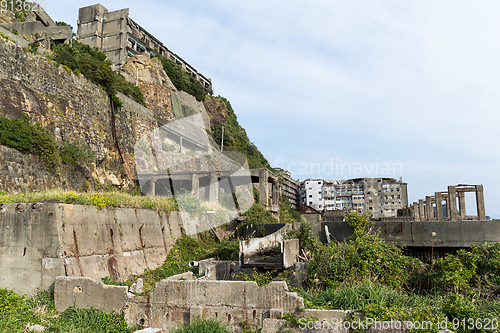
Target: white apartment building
<point x="311" y="193"/>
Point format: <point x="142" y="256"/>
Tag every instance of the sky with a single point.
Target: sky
<point x="346" y="89"/>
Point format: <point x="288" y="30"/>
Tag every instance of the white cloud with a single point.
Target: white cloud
<point x="415" y="81"/>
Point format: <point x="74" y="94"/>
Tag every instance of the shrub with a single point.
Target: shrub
<point x="75" y="153"/>
<point x="189" y="203"/>
<point x="29" y="138"/>
<point x="365" y="257"/>
<point x="182" y="80"/>
<point x="94" y="65"/>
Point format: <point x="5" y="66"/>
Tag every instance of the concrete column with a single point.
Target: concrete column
<point x="481" y="210"/>
<point x="428" y="208"/>
<point x="421" y="209"/>
<point x="214" y="187"/>
<point x="263" y="188"/>
<point x="461" y="204"/>
<point x="415" y="211"/>
<point x="195" y="181"/>
<point x="152" y="189"/>
<point x="439" y="206"/>
<point x="452" y="203"/>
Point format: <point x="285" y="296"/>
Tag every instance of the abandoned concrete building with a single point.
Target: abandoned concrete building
<point x="289" y="187"/>
<point x="120" y="38"/>
<point x="40" y="23"/>
<point x="382" y="196"/>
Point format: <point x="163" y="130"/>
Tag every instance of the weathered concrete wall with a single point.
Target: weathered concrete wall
<point x="43" y="240"/>
<point x="425" y="233"/>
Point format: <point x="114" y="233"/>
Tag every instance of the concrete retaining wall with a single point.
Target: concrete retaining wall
<point x="40" y="241"/>
<point x="425" y="233"/>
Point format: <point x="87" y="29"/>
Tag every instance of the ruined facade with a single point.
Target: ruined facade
<point x="289" y="187"/>
<point x="120" y="38"/>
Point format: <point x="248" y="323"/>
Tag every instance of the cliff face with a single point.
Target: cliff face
<point x="74" y="109"/>
<point x="235" y="137"/>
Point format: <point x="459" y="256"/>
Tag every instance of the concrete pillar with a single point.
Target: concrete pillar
<point x="195" y="181"/>
<point x="263" y="188"/>
<point x="415" y="211"/>
<point x="452" y="203"/>
<point x="152" y="189"/>
<point x="429" y="211"/>
<point x="461" y="204"/>
<point x="421" y="209"/>
<point x="481" y="210"/>
<point x="439" y="206"/>
<point x="214" y="187"/>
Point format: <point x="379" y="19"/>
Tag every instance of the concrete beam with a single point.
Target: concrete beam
<point x="429" y="210"/>
<point x="439" y="206"/>
<point x="214" y="188"/>
<point x="421" y="210"/>
<point x="461" y="204"/>
<point x="263" y="188"/>
<point x="195" y="181"/>
<point x="481" y="211"/>
<point x="452" y="203"/>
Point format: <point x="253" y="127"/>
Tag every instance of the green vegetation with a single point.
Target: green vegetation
<point x="365" y="274"/>
<point x="29" y="138"/>
<point x="287" y="214"/>
<point x="94" y="65"/>
<point x="263" y="277"/>
<point x="182" y="80"/>
<point x="204" y="326"/>
<point x="235" y="136"/>
<point x="18" y="311"/>
<point x="258" y="216"/>
<point x="104" y="199"/>
<point x="75" y="153"/>
<point x="177" y="261"/>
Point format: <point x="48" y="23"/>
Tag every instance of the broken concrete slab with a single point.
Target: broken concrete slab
<point x="84" y="293"/>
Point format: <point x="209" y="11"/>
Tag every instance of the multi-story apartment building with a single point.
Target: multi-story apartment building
<point x="120" y="38"/>
<point x="289" y="187"/>
<point x="311" y="193"/>
<point x="382" y="196"/>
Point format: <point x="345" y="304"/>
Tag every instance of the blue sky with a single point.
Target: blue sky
<point x="408" y="88"/>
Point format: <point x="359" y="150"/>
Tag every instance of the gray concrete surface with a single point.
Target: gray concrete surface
<point x="419" y="233"/>
<point x="86" y="292"/>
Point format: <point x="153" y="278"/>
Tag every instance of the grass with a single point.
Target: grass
<point x="203" y="326"/>
<point x="99" y="199"/>
<point x="16" y="312"/>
